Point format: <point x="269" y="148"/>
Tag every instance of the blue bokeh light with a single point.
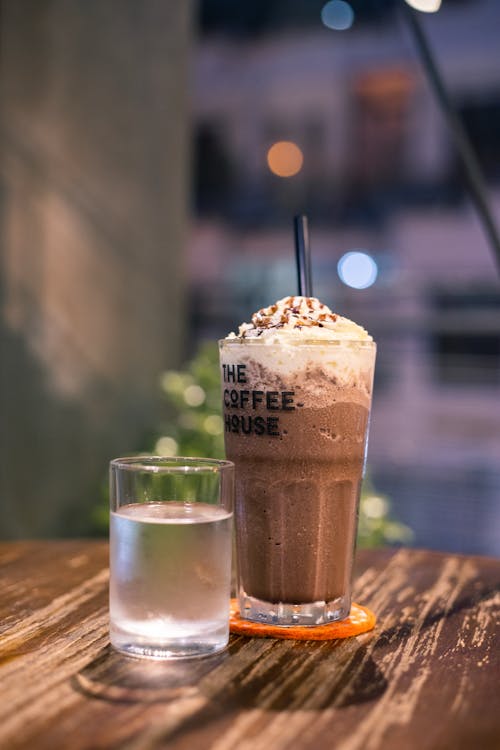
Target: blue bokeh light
<point x="357" y="269"/>
<point x="337" y="15"/>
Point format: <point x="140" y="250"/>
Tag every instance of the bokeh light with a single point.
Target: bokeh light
<point x="194" y="395"/>
<point x="375" y="506"/>
<point x="213" y="424"/>
<point x="172" y="381"/>
<point x="357" y="269"/>
<point x="337" y="15"/>
<point x="426" y="6"/>
<point x="285" y="158"/>
<point x="166" y="446"/>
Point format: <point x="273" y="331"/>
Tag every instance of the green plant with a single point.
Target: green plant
<point x="194" y="426"/>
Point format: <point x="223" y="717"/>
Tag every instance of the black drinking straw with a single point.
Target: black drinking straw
<point x="303" y="255"/>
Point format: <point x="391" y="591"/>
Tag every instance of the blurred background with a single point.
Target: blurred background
<point x="153" y="156"/>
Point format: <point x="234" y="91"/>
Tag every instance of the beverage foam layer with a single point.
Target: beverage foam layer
<point x="300" y="334"/>
<point x="334" y="363"/>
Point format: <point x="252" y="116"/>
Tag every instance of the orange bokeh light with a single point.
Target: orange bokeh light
<point x="285" y="159"/>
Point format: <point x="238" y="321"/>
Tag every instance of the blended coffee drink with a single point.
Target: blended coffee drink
<point x="297" y="385"/>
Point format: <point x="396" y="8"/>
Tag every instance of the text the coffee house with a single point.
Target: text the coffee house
<point x="254" y="400"/>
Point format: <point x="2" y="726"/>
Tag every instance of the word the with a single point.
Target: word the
<point x="234" y="373"/>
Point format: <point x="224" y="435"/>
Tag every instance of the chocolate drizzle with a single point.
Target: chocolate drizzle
<point x="294" y="313"/>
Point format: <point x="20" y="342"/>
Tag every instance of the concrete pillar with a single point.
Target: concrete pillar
<point x="92" y="224"/>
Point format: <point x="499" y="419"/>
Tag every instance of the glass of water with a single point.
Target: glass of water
<point x="170" y="555"/>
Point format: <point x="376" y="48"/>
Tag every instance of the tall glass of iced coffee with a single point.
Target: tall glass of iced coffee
<point x="297" y="385"/>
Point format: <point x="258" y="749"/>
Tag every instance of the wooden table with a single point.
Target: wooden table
<point x="427" y="677"/>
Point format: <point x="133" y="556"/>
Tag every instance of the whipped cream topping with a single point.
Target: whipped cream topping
<point x="304" y="317"/>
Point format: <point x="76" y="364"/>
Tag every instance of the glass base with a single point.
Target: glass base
<point x="288" y="615"/>
<point x="179" y="648"/>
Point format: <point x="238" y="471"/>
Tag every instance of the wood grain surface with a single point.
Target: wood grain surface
<point x="426" y="677"/>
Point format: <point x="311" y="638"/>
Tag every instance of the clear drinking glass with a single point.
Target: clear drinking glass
<point x="170" y="555"/>
<point x="296" y="416"/>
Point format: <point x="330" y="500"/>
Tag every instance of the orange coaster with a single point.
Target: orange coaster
<point x="360" y="620"/>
